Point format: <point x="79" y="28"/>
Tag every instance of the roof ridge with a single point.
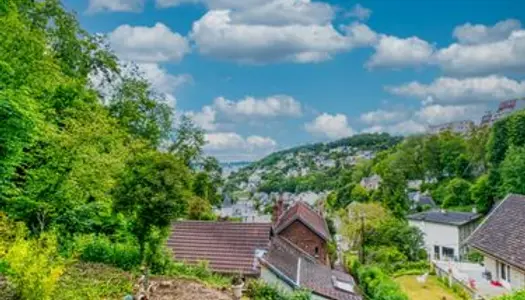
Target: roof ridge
<point x="467" y="240"/>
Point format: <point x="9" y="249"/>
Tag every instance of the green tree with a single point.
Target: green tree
<point x="457" y="193"/>
<point x="141" y="111"/>
<point x="513" y="171"/>
<point x="152" y="193"/>
<point x="359" y="194"/>
<point x="189" y="140"/>
<point x="482" y="194"/>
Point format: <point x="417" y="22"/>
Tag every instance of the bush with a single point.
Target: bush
<point x="259" y="290"/>
<point x="519" y="295"/>
<point x="34" y="266"/>
<point x="378" y="286"/>
<point x="100" y="249"/>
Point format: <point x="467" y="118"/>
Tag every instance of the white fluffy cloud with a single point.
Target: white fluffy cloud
<point x="267" y="12"/>
<point x="407" y="127"/>
<point x="498" y="56"/>
<point x="115" y="5"/>
<point x="465" y="90"/>
<point x="479" y="34"/>
<point x="148" y="44"/>
<point x="224" y="112"/>
<point x="438" y="114"/>
<point x="249" y="107"/>
<point x="216" y="34"/>
<point x="330" y="126"/>
<point x="394" y="52"/>
<point x="383" y="116"/>
<point x="206" y="118"/>
<point x="232" y="146"/>
<point x="360" y="12"/>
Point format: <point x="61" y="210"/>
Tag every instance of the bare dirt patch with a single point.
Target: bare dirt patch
<point x="183" y="289"/>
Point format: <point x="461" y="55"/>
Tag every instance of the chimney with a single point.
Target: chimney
<point x="278" y="209"/>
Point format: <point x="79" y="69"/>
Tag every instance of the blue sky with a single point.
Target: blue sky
<point x="262" y="75"/>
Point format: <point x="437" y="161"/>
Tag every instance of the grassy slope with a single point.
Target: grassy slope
<point x="430" y="291"/>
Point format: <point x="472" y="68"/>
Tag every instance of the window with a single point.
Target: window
<point x="436" y="252"/>
<point x="504" y="272"/>
<point x="316" y="251"/>
<point x="448" y="252"/>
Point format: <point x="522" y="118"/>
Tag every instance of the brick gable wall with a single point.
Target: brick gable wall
<point x="307" y="240"/>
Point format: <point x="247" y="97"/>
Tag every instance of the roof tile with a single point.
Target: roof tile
<point x="228" y="247"/>
<point x="502" y="234"/>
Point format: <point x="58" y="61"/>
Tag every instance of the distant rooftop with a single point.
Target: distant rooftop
<point x="445" y="217"/>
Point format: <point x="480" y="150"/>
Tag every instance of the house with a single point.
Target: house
<point x="371" y="183"/>
<point x="501" y="240"/>
<point x="461" y="127"/>
<point x="305" y="228"/>
<point x="445" y="232"/>
<point x="228" y="247"/>
<point x="289" y="267"/>
<point x="418" y="199"/>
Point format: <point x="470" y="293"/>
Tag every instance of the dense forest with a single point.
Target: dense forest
<point x="91" y="170"/>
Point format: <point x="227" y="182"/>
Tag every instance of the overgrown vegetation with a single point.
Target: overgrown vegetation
<point x="81" y="173"/>
<point x="259" y="290"/>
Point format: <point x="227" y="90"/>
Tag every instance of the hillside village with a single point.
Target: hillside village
<point x="108" y="192"/>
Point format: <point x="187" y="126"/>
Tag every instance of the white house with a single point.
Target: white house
<point x="445" y="232"/>
<point x="501" y="240"/>
<point x="371" y="183"/>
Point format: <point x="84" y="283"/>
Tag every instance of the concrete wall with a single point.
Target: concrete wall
<point x="438" y="235"/>
<point x="307" y="240"/>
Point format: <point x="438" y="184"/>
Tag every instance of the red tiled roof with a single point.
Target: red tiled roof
<point x="304" y="213"/>
<point x="283" y="255"/>
<point x="228" y="247"/>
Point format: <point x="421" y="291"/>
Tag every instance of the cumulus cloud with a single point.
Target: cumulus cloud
<point x="383" y="116"/>
<point x="479" y="34"/>
<point x="267" y="12"/>
<point x="115" y="5"/>
<point x="249" y="107"/>
<point x="225" y="112"/>
<point x="408" y="127"/>
<point x="499" y="56"/>
<point x="394" y="52"/>
<point x="462" y="90"/>
<point x="206" y="118"/>
<point x="439" y="114"/>
<point x="217" y="35"/>
<point x="330" y="126"/>
<point x="161" y="80"/>
<point x="233" y="146"/>
<point x="360" y="12"/>
<point x="148" y="44"/>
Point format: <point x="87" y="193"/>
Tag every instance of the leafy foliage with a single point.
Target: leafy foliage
<point x="259" y="290"/>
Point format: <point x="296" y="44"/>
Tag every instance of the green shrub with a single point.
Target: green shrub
<point x="34" y="266"/>
<point x="259" y="290"/>
<point x="377" y="285"/>
<point x="100" y="249"/>
<point x="519" y="295"/>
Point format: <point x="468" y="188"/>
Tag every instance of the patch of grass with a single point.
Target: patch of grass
<point x="431" y="290"/>
<point x="94" y="281"/>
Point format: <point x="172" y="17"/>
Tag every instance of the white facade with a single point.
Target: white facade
<point x="511" y="277"/>
<point x="442" y="241"/>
